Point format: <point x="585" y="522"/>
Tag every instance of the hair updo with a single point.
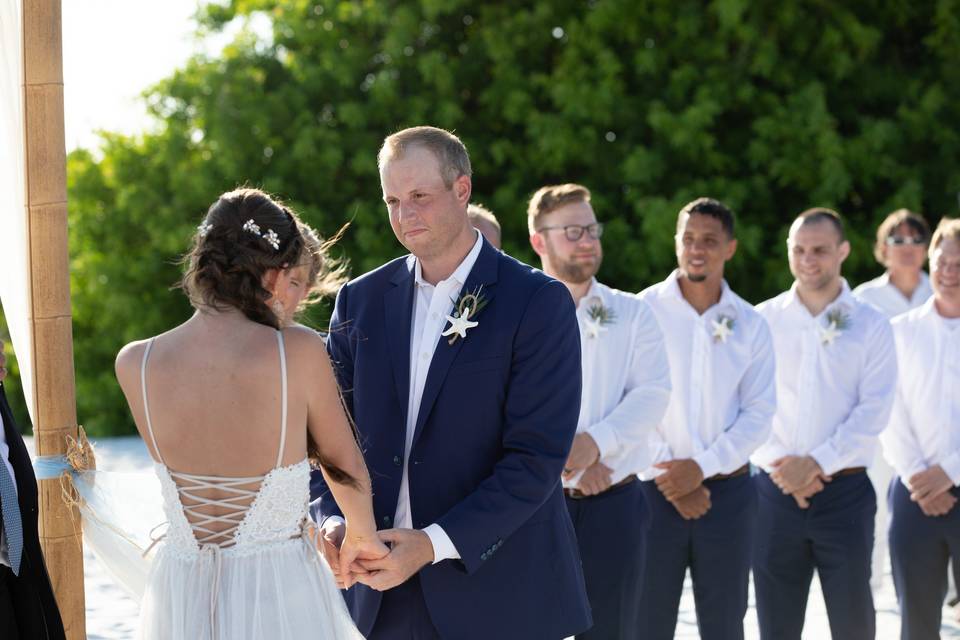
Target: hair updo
<point x="244" y="234"/>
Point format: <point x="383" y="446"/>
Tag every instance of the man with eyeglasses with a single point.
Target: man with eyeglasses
<point x="922" y="442"/>
<point x="698" y="486"/>
<point x="626" y="387"/>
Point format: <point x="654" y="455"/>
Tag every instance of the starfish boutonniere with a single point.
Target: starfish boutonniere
<point x="837" y="322"/>
<point x="722" y="328"/>
<point x="599" y="318"/>
<point x="465" y="307"/>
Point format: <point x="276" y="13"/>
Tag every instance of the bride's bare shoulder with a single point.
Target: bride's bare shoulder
<point x="304" y="343"/>
<point x="127" y="364"/>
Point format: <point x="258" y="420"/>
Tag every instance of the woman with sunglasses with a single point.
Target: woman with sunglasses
<point x="901" y="247"/>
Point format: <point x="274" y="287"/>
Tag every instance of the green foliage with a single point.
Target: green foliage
<point x="770" y="106"/>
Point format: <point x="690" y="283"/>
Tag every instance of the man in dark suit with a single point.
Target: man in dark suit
<point x="28" y="609"/>
<point x="461" y="369"/>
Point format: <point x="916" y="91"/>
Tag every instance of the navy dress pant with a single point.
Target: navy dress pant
<point x="403" y="615"/>
<point x="716" y="548"/>
<point x="835" y="537"/>
<point x="610" y="534"/>
<point x="921" y="547"/>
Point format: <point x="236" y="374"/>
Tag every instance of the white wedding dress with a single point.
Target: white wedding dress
<point x="261" y="577"/>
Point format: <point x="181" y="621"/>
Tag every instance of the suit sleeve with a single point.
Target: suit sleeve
<point x="340" y="348"/>
<point x="541" y="409"/>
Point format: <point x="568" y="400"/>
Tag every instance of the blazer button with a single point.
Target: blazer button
<point x="483" y="556"/>
<point x="396" y="460"/>
<point x="387" y="520"/>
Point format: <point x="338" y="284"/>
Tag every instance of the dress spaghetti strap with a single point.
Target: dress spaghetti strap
<point x="283" y="398"/>
<point x="146" y="407"/>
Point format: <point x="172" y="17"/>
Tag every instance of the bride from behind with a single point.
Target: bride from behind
<point x="234" y="405"/>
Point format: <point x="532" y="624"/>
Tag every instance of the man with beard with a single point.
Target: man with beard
<point x="626" y="386"/>
<point x="698" y="488"/>
<point x="836" y="377"/>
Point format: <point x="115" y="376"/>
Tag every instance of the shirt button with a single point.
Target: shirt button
<point x="423" y="356"/>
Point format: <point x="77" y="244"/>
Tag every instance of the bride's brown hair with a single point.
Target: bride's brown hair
<point x="244" y="234"/>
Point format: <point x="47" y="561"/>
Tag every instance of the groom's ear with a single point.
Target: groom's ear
<point x="462" y="188"/>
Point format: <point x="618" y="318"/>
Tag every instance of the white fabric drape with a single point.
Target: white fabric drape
<point x="15" y="294"/>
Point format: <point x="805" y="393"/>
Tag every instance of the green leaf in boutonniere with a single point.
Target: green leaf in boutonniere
<point x="600" y="317"/>
<point x="838" y="321"/>
<point x="467" y="306"/>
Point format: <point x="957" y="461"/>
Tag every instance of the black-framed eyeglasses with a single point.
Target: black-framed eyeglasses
<point x="897" y="241"/>
<point x="574" y="232"/>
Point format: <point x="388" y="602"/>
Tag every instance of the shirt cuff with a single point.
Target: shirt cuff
<point x="951" y="466"/>
<point x="443" y="548"/>
<point x="829" y="461"/>
<point x="708" y="462"/>
<point x="604" y="437"/>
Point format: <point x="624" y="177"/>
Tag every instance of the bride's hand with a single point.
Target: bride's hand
<point x="359" y="546"/>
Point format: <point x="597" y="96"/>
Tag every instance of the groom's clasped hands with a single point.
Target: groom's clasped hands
<point x="382" y="560"/>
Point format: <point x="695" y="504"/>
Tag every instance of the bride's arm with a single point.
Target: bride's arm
<point x="343" y="467"/>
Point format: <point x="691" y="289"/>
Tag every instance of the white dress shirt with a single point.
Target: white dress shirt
<point x="5" y="457"/>
<point x="834" y="389"/>
<point x="431" y="305"/>
<point x="924" y="428"/>
<point x="882" y="294"/>
<point x="626" y="379"/>
<point x="723" y="392"/>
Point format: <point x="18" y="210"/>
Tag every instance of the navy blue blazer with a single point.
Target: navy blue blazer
<point x="496" y="423"/>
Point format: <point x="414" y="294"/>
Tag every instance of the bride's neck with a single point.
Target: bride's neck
<point x="229" y="315"/>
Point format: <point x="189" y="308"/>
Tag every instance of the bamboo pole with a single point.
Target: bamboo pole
<point x="55" y="412"/>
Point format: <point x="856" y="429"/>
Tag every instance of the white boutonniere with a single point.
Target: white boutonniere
<point x="837" y="322"/>
<point x="599" y="318"/>
<point x="722" y="328"/>
<point x="467" y="306"/>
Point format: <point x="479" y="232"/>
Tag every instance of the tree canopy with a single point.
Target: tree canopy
<point x="769" y="106"/>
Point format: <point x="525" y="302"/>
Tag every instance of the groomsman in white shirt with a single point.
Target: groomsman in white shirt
<point x="922" y="442"/>
<point x="626" y="387"/>
<point x="836" y="375"/>
<point x="698" y="486"/>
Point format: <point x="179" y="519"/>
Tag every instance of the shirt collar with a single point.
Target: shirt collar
<point x="672" y="290"/>
<point x="844" y="301"/>
<point x="459" y="274"/>
<point x="594" y="296"/>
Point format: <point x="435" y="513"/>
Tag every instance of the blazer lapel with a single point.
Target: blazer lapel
<point x="484" y="273"/>
<point x="398" y="315"/>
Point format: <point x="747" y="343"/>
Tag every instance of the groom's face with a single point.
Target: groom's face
<point x="426" y="215"/>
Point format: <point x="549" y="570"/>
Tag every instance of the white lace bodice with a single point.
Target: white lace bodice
<point x="244" y="519"/>
<point x="276" y="514"/>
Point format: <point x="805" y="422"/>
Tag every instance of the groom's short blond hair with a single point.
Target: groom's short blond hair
<point x="447" y="148"/>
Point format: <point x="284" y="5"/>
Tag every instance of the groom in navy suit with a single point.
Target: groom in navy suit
<point x="461" y="369"/>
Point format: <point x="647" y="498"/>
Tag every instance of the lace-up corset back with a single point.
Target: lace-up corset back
<point x="226" y="512"/>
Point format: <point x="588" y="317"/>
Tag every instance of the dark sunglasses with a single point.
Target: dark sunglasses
<point x="896" y="241"/>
